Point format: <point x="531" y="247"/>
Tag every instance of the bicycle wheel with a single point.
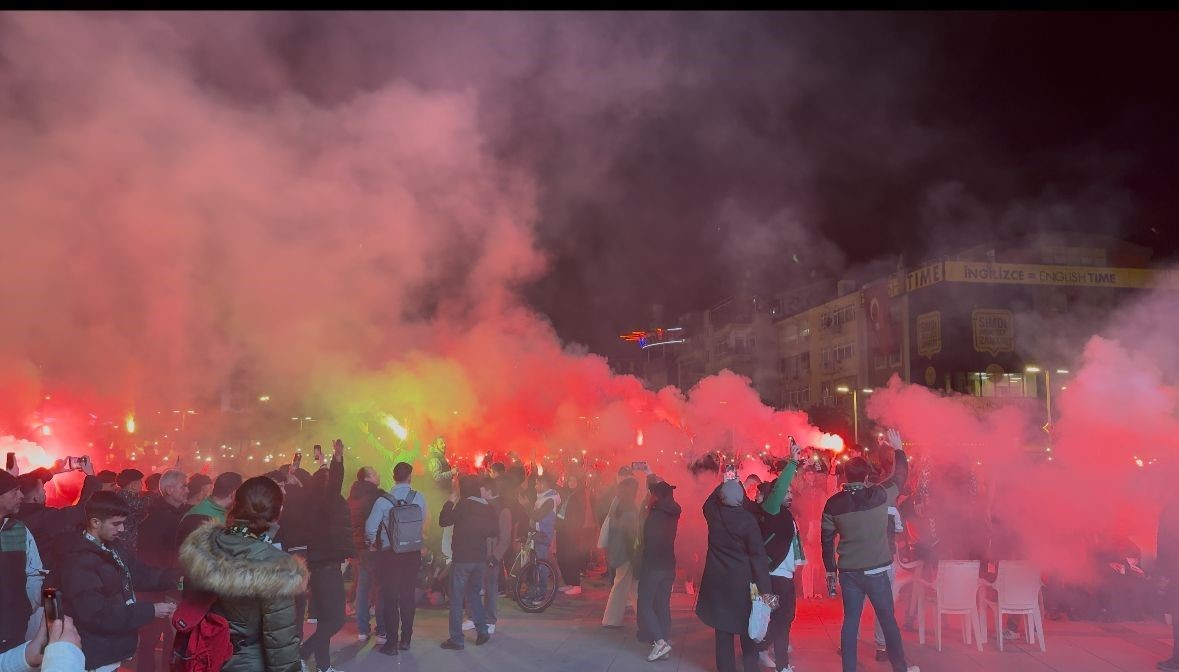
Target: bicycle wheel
<point x="536" y="586"/>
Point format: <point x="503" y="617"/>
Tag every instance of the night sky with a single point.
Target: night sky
<point x="916" y="133"/>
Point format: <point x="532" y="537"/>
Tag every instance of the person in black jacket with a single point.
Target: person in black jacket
<point x="364" y="493"/>
<point x="1167" y="566"/>
<point x="51" y="525"/>
<point x="159" y="548"/>
<point x="657" y="569"/>
<point x="736" y="558"/>
<point x="573" y="533"/>
<point x="474" y="524"/>
<point x="329" y="546"/>
<point x="98" y="586"/>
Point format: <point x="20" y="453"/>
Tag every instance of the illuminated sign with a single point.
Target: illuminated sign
<point x="1034" y="274"/>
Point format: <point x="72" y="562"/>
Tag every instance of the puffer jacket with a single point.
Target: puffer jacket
<point x="256" y="585"/>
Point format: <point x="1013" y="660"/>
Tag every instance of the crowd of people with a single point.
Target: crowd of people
<point x="136" y="560"/>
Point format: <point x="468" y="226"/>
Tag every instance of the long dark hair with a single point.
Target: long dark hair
<point x="256" y="505"/>
<point x="628" y="490"/>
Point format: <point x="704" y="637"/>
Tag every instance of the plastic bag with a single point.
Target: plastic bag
<point x="759" y="615"/>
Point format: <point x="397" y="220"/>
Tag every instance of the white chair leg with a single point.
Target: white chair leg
<point x="979" y="630"/>
<point x="921" y="618"/>
<point x="999" y="626"/>
<point x="1031" y="629"/>
<point x="939" y="629"/>
<point x="966" y="626"/>
<point x="1039" y="620"/>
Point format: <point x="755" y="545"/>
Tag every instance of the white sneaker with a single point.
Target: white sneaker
<point x="914" y="668"/>
<point x="565" y="589"/>
<point x="362" y="638"/>
<point x="766" y="660"/>
<point x="382" y="639"/>
<point x="313" y="621"/>
<point x="302" y="666"/>
<point x="658" y="650"/>
<point x="491" y="628"/>
<point x="468" y="625"/>
<point x="788" y="668"/>
<point x="573" y="591"/>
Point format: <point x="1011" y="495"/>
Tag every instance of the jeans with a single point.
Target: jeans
<point x="327" y="590"/>
<point x="726" y="656"/>
<point x="397" y="573"/>
<point x="878" y="589"/>
<point x="654" y="604"/>
<point x="892" y="580"/>
<point x="466" y="579"/>
<point x="544" y="551"/>
<point x="368" y="590"/>
<point x="778" y="634"/>
<point x="491" y="592"/>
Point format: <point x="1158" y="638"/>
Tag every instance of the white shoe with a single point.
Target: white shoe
<point x="362" y="638"/>
<point x="788" y="668"/>
<point x="382" y="639"/>
<point x="914" y="668"/>
<point x="565" y="589"/>
<point x="313" y="621"/>
<point x="766" y="660"/>
<point x="468" y="625"/>
<point x="658" y="650"/>
<point x="302" y="666"/>
<point x="491" y="628"/>
<point x="573" y="591"/>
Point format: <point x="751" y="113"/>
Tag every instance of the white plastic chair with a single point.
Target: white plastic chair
<point x="1019" y="592"/>
<point x="956" y="588"/>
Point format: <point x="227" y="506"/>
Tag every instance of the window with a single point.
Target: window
<point x="1008" y="385"/>
<point x="790" y="332"/>
<point x="804" y="330"/>
<point x="879" y="362"/>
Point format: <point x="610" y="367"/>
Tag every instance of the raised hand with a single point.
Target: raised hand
<point x="894" y="439"/>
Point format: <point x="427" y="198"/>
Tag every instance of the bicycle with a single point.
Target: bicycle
<point x="533" y="580"/>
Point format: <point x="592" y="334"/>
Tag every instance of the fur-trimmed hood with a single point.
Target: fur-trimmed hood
<point x="231" y="565"/>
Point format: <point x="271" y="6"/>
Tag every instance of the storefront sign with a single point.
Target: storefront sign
<point x="929" y="334"/>
<point x="994" y="331"/>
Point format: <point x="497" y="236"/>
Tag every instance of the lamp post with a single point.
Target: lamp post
<point x="844" y="389"/>
<point x="301" y="420"/>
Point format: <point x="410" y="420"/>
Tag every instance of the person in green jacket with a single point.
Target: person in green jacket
<point x="255" y="583"/>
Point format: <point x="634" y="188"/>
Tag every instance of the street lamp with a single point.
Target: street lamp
<point x="301" y="421"/>
<point x="844" y="389"/>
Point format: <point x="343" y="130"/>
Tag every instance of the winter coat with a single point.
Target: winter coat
<point x="95" y="593"/>
<point x="474" y="523"/>
<point x="361" y="498"/>
<point x="622" y="538"/>
<point x="736" y="558"/>
<point x="158" y="546"/>
<point x="659" y="529"/>
<point x="329" y="518"/>
<point x="256" y="585"/>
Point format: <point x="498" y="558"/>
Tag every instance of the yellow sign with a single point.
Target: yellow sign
<point x="925" y="276"/>
<point x="994" y="331"/>
<point x="1070" y="276"/>
<point x="1035" y="274"/>
<point x="929" y="334"/>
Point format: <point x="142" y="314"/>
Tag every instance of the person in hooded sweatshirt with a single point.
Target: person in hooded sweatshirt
<point x="736" y="558"/>
<point x="255" y="583"/>
<point x="657" y="569"/>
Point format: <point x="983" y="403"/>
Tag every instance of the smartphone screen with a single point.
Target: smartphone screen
<point x="10" y="462"/>
<point x="730" y="472"/>
<point x="52" y="604"/>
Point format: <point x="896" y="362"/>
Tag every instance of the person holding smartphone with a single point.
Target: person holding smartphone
<point x="20" y="567"/>
<point x="55" y="647"/>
